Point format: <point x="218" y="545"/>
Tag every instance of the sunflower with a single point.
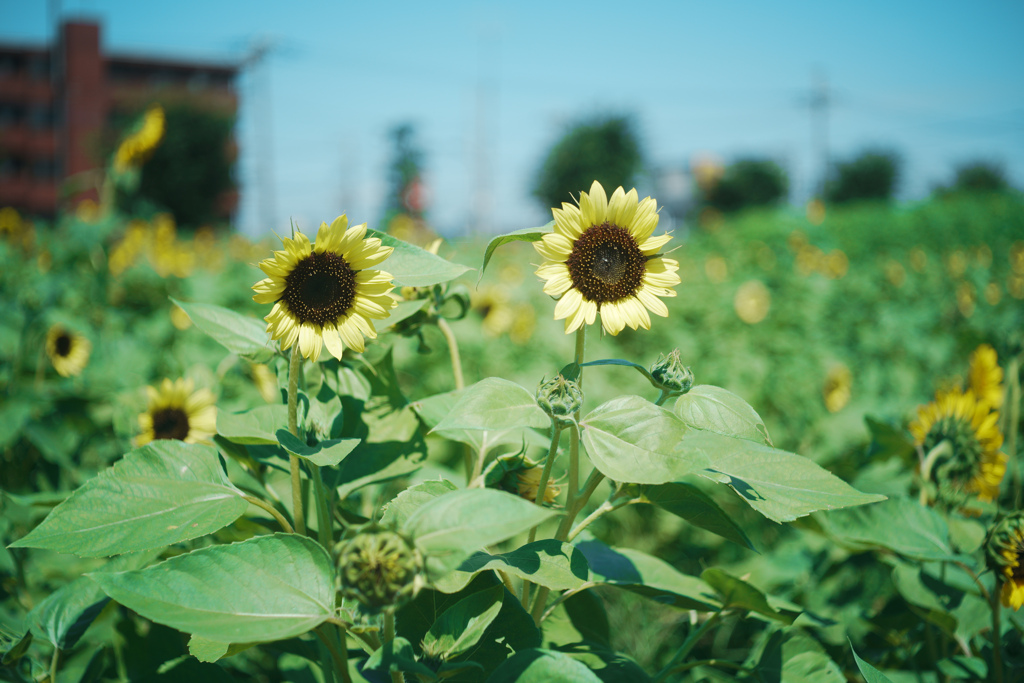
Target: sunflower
<point x="1012" y="594"/>
<point x="985" y="377"/>
<point x="137" y="147"/>
<point x="176" y="412"/>
<point x="838" y="388"/>
<point x="603" y="258"/>
<point x="324" y="294"/>
<point x="1004" y="554"/>
<point x="528" y="485"/>
<point x="68" y="351"/>
<point x="973" y="464"/>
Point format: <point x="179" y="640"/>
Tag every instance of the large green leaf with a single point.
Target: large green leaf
<point x="780" y="485"/>
<point x="494" y="404"/>
<point x="411" y="499"/>
<point x="253" y="427"/>
<point x="696" y="507"/>
<point x="717" y="410"/>
<point x="267" y="588"/>
<point x="434" y="409"/>
<point x="461" y="626"/>
<point x="325" y="454"/>
<point x="451" y="527"/>
<point x="629" y="439"/>
<point x="64" y="615"/>
<point x="901" y="525"/>
<point x="371" y="463"/>
<point x="646" y="575"/>
<point x="551" y="563"/>
<point x="523" y="235"/>
<point x="870" y="673"/>
<point x="165" y="492"/>
<point x="237" y="333"/>
<point x="414" y="267"/>
<point x="737" y="593"/>
<point x="542" y="666"/>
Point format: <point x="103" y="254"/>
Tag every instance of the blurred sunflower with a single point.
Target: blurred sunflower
<point x="602" y="258"/>
<point x="985" y="377"/>
<point x="838" y="388"/>
<point x="68" y="351"/>
<point x="176" y="412"/>
<point x="973" y="465"/>
<point x="324" y="293"/>
<point x="1005" y="555"/>
<point x="137" y="147"/>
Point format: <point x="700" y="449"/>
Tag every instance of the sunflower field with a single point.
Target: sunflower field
<point x="777" y="446"/>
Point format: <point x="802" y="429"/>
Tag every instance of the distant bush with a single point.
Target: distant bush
<point x="871" y="175"/>
<point x="748" y="182"/>
<point x="977" y="176"/>
<point x="606" y="149"/>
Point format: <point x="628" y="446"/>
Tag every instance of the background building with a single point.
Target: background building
<point x="61" y="107"/>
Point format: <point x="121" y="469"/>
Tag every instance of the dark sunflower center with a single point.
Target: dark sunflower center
<point x="320" y="289"/>
<point x="606" y="264"/>
<point x="170" y="423"/>
<point x="63" y="344"/>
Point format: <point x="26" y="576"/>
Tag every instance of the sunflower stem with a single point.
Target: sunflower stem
<point x="260" y="503"/>
<point x="453" y="351"/>
<point x="293" y="427"/>
<point x="545" y="475"/>
<point x="324" y="532"/>
<point x="54" y="661"/>
<point x="687" y="646"/>
<point x="389" y="635"/>
<point x="997" y="646"/>
<point x="1012" y="425"/>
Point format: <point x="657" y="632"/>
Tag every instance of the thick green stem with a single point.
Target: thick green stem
<point x="54" y="661"/>
<point x="258" y="502"/>
<point x="1012" y="424"/>
<point x="687" y="646"/>
<point x="997" y="640"/>
<point x="389" y="636"/>
<point x="663" y="397"/>
<point x="293" y="427"/>
<point x="338" y="655"/>
<point x="324" y="532"/>
<point x="545" y="474"/>
<point x="453" y="352"/>
<point x="602" y="510"/>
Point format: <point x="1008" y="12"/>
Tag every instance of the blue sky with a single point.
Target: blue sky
<point x="490" y="86"/>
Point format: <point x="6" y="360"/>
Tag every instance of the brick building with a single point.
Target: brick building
<point x="57" y="104"/>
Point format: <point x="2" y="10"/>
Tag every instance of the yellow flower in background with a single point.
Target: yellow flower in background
<point x="973" y="464"/>
<point x="528" y="483"/>
<point x="175" y="411"/>
<point x="838" y="388"/>
<point x="68" y="351"/>
<point x="10" y="223"/>
<point x="835" y="264"/>
<point x="266" y="382"/>
<point x="137" y="147"/>
<point x="325" y="294"/>
<point x="603" y="258"/>
<point x="1012" y="593"/>
<point x="985" y="377"/>
<point x="1004" y="555"/>
<point x="752" y="302"/>
<point x="918" y="259"/>
<point x="815" y="211"/>
<point x="966" y="296"/>
<point x="716" y="269"/>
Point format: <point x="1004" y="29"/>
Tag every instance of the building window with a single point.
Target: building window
<point x="40" y="117"/>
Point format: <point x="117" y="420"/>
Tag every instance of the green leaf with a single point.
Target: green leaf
<point x="206" y="650"/>
<point x="435" y="408"/>
<point x="408" y="501"/>
<point x="405" y="310"/>
<point x="648" y="576"/>
<point x="737" y="593"/>
<point x="523" y="235"/>
<point x="461" y="626"/>
<point x="588" y="616"/>
<point x="551" y="563"/>
<point x="253" y="427"/>
<point x="371" y="463"/>
<point x="267" y="588"/>
<point x="625" y="363"/>
<point x="494" y="404"/>
<point x="780" y="485"/>
<point x="414" y="267"/>
<point x="964" y="668"/>
<point x="901" y="525"/>
<point x="451" y="527"/>
<point x="64" y="615"/>
<point x="396" y="655"/>
<point x="325" y="454"/>
<point x="696" y="507"/>
<point x="888" y="440"/>
<point x="238" y="333"/>
<point x="717" y="410"/>
<point x="542" y="666"/>
<point x="163" y="493"/>
<point x="629" y="439"/>
<point x="870" y="673"/>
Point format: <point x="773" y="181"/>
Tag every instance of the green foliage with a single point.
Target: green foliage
<point x="976" y="176"/>
<point x="191" y="169"/>
<point x="749" y="183"/>
<point x="872" y="175"/>
<point x="605" y="149"/>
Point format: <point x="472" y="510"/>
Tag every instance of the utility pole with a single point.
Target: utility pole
<point x="819" y="102"/>
<point x="255" y="62"/>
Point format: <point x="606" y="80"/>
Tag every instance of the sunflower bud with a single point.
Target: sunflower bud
<point x="1004" y="555"/>
<point x="671" y="375"/>
<point x="560" y="398"/>
<point x="381" y="569"/>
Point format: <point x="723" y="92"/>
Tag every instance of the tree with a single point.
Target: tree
<point x="747" y="183"/>
<point x="873" y="174"/>
<point x="605" y="149"/>
<point x="193" y="166"/>
<point x="977" y="176"/>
